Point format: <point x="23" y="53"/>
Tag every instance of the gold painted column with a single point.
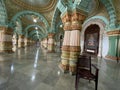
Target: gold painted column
<point x="21" y="41"/>
<point x="76" y="25"/>
<point x="64" y="65"/>
<point x="6" y="39"/>
<point x="50" y="46"/>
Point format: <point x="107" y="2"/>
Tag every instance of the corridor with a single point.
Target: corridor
<point x="33" y="68"/>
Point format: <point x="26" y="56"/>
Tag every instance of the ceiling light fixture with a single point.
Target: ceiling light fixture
<point x="35" y="20"/>
<point x="36" y="28"/>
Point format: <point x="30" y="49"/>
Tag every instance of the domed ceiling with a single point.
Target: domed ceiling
<point x="41" y="3"/>
<point x="36" y="5"/>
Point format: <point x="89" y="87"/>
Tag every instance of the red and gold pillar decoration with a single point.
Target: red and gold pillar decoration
<point x="76" y="25"/>
<point x="50" y="42"/>
<point x="64" y="65"/>
<point x="21" y="41"/>
<point x="6" y="39"/>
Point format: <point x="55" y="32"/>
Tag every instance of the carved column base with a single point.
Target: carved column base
<point x="6" y="51"/>
<point x="73" y="61"/>
<point x="72" y="70"/>
<point x="108" y="57"/>
<point x="64" y="68"/>
<point x="51" y="48"/>
<point x="45" y="45"/>
<point x="14" y="48"/>
<point x="74" y="52"/>
<point x="6" y="47"/>
<point x="65" y="61"/>
<point x="22" y="45"/>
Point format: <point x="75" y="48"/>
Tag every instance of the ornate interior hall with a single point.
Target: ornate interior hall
<point x="41" y="40"/>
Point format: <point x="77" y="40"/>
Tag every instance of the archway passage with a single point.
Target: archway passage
<point x="91" y="39"/>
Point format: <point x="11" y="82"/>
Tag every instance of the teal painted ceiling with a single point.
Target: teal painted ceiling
<point x="20" y="14"/>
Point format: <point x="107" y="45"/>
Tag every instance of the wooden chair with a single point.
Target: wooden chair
<point x="83" y="70"/>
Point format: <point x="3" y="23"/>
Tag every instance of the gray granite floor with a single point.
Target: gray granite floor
<point x="32" y="68"/>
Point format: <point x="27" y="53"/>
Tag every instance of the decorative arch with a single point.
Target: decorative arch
<point x="23" y="13"/>
<point x="53" y="25"/>
<point x="102" y="22"/>
<point x="3" y="14"/>
<point x="34" y="32"/>
<point x="111" y="11"/>
<point x="35" y="25"/>
<point x="58" y="32"/>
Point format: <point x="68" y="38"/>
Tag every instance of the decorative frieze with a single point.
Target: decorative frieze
<point x="113" y="33"/>
<point x="65" y="48"/>
<point x="75" y="48"/>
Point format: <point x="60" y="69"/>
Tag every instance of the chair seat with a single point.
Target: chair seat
<point x="86" y="74"/>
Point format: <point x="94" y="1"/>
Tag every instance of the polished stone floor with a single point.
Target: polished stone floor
<point x="32" y="68"/>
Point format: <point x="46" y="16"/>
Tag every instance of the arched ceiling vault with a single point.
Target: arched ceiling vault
<point x="33" y="26"/>
<point x="51" y="10"/>
<point x="31" y="15"/>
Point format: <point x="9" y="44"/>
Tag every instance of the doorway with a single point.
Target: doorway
<point x="91" y="39"/>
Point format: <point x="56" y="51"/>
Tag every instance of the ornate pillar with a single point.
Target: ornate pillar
<point x="30" y="42"/>
<point x="6" y="39"/>
<point x="14" y="40"/>
<point x="114" y="45"/>
<point x="20" y="41"/>
<point x="64" y="65"/>
<point x="26" y="41"/>
<point x="50" y="42"/>
<point x="71" y="42"/>
<point x="76" y="26"/>
<point x="45" y="41"/>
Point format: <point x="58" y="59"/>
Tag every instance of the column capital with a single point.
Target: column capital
<point x="77" y="20"/>
<point x="66" y="19"/>
<point x="51" y="35"/>
<point x="21" y="36"/>
<point x="113" y="33"/>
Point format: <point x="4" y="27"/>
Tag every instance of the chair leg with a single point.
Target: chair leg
<point x="96" y="83"/>
<point x="76" y="83"/>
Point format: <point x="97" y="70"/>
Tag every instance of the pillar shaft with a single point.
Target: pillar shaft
<point x="114" y="45"/>
<point x="45" y="42"/>
<point x="21" y="41"/>
<point x="6" y="39"/>
<point x="26" y="41"/>
<point x="14" y="42"/>
<point x="50" y="42"/>
<point x="71" y="43"/>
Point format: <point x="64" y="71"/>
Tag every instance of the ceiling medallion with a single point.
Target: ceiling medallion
<point x="48" y="7"/>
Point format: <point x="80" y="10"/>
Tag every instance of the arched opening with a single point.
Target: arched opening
<point x="91" y="39"/>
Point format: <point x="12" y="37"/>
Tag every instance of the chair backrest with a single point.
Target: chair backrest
<point x="84" y="62"/>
